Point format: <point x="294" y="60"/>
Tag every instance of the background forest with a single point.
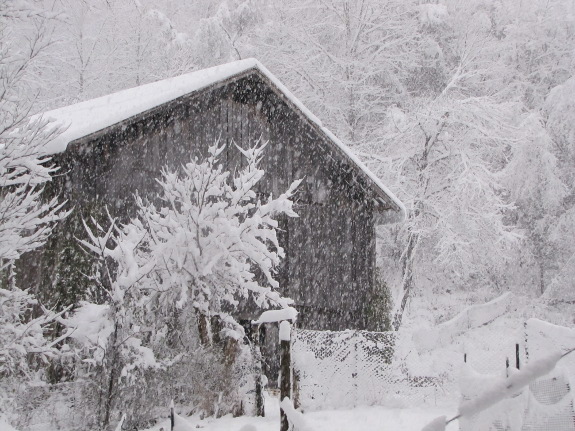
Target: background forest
<point x="465" y="110"/>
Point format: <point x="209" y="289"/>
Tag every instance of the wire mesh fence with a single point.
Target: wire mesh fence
<point x="546" y="404"/>
<point x="68" y="405"/>
<point x="350" y="368"/>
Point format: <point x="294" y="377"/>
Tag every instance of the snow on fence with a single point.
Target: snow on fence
<point x="59" y="406"/>
<point x="472" y="317"/>
<point x="350" y="368"/>
<point x="542" y="337"/>
<point x="546" y="404"/>
<point x="504" y="394"/>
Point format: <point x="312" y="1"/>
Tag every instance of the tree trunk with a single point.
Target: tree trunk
<point x="408" y="259"/>
<point x="260" y="411"/>
<point x="112" y="368"/>
<point x="204" y="328"/>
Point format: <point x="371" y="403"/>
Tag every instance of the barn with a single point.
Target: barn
<point x="117" y="144"/>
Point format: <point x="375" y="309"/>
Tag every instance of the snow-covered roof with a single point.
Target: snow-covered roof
<point x="91" y="116"/>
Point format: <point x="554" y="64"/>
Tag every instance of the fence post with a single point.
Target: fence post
<point x="295" y="388"/>
<point x="465" y="357"/>
<point x="172" y="416"/>
<point x="258" y="371"/>
<point x="517" y="355"/>
<point x="507" y="367"/>
<point x="285" y="369"/>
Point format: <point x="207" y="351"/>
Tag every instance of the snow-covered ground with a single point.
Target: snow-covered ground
<point x="366" y="418"/>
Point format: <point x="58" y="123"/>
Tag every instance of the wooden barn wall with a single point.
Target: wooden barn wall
<point x="329" y="266"/>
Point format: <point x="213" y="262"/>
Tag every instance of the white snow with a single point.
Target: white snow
<point x="561" y="336"/>
<point x="437" y="424"/>
<point x="506" y="387"/>
<point x="285" y="331"/>
<point x="5" y="426"/>
<point x="91" y="327"/>
<point x="544" y="337"/>
<point x="181" y="424"/>
<point x="432" y="14"/>
<point x="295" y="418"/>
<point x="472" y="317"/>
<point x="85" y="118"/>
<point x="273" y="316"/>
<point x="365" y="418"/>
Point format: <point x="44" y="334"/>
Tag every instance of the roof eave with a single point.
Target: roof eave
<point x="391" y="209"/>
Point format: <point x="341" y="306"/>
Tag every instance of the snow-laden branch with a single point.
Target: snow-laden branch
<point x="275" y="316"/>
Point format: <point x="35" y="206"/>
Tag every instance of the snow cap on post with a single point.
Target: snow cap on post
<point x="285" y="331"/>
<point x="274" y="316"/>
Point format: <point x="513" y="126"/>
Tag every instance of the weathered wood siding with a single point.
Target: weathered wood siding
<point x="329" y="265"/>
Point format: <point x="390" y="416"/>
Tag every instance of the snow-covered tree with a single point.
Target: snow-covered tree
<point x="206" y="244"/>
<point x="26" y="216"/>
<point x="454" y="142"/>
<point x="26" y="222"/>
<point x="347" y="60"/>
<point x="150" y="46"/>
<point x="227" y="31"/>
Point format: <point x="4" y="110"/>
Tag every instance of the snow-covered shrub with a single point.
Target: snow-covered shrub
<point x="26" y="222"/>
<point x="174" y="276"/>
<point x="21" y="336"/>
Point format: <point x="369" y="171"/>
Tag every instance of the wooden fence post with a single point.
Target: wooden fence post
<point x="285" y="369"/>
<point x="295" y="388"/>
<point x="172" y="416"/>
<point x="258" y="371"/>
<point x="517" y="355"/>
